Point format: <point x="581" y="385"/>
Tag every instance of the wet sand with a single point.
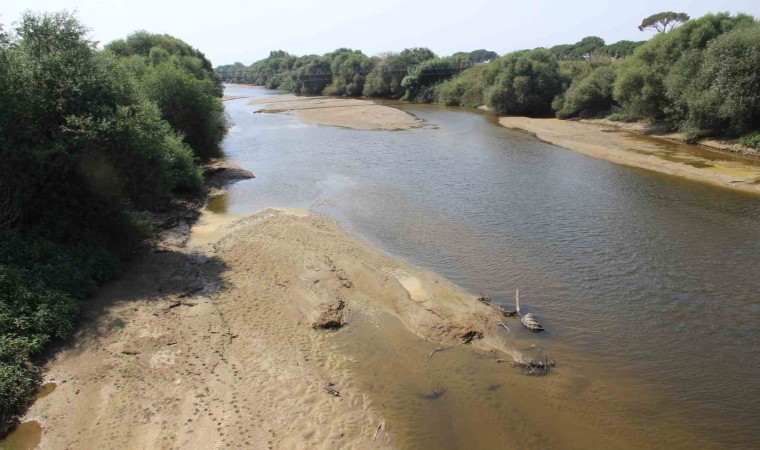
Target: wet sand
<point x="623" y="147"/>
<point x="212" y="344"/>
<point x="342" y="112"/>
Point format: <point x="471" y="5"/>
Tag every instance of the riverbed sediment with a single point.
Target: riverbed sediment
<point x="342" y="112"/>
<point x="215" y="343"/>
<point x="622" y="146"/>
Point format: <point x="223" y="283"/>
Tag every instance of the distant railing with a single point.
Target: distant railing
<point x="447" y="68"/>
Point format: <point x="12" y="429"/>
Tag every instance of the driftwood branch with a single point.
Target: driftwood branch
<point x="435" y="350"/>
<point x="508" y="330"/>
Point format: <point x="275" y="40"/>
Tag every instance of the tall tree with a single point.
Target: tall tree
<point x="664" y="21"/>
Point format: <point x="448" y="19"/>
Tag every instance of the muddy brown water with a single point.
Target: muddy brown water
<point x="26" y="436"/>
<point x="648" y="284"/>
<point x="45" y="390"/>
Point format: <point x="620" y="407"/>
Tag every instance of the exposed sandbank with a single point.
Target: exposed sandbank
<point x="617" y="145"/>
<point x="211" y="344"/>
<point x="341" y="112"/>
<point x="663" y="131"/>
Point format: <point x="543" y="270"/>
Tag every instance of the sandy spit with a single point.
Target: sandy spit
<point x="342" y="112"/>
<point x="211" y="344"/>
<point x="602" y="141"/>
<point x="662" y="131"/>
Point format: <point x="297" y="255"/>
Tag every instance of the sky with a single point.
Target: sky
<point x="245" y="31"/>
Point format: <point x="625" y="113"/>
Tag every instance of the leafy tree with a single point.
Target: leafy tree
<point x="142" y="43"/>
<point x="482" y="56"/>
<point x="349" y="69"/>
<point x="588" y="95"/>
<point x="478" y="56"/>
<point x="465" y="89"/>
<point x="524" y="83"/>
<point x="311" y="74"/>
<point x="619" y="50"/>
<point x="429" y="72"/>
<point x="190" y="105"/>
<point x="385" y="79"/>
<point x="663" y="22"/>
<point x="181" y="81"/>
<point x="582" y="49"/>
<point x="82" y="147"/>
<point x="640" y="85"/>
<point x="723" y="88"/>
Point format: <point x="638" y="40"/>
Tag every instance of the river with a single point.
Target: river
<point x="648" y="284"/>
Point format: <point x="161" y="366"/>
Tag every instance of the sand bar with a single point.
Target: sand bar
<point x="623" y="147"/>
<point x="341" y="112"/>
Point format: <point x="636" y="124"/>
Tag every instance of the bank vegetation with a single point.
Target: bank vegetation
<point x="698" y="76"/>
<point x="90" y="141"/>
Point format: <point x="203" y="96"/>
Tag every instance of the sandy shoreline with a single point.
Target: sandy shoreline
<point x="622" y="147"/>
<point x="211" y="344"/>
<point x="342" y="112"/>
<point x="209" y="341"/>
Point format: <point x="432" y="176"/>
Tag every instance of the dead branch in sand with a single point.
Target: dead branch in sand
<point x="486" y="300"/>
<point x="330" y="389"/>
<point x="436" y="350"/>
<point x="508" y="330"/>
<point x="379" y="425"/>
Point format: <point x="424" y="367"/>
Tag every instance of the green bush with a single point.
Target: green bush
<point x="190" y="105"/>
<point x="723" y="89"/>
<point x="465" y="89"/>
<point x="524" y="83"/>
<point x="751" y="139"/>
<point x="42" y="284"/>
<point x="620" y="117"/>
<point x="587" y="96"/>
<point x="640" y="87"/>
<point x="84" y="146"/>
<point x="389" y="71"/>
<point x="349" y="69"/>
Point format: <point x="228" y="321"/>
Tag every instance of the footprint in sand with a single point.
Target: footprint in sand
<point x="411" y="284"/>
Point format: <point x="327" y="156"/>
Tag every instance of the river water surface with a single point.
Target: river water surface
<point x="649" y="285"/>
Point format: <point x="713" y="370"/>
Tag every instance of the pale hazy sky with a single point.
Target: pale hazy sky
<point x="235" y="30"/>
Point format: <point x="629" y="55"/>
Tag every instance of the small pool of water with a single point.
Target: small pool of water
<point x="26" y="436"/>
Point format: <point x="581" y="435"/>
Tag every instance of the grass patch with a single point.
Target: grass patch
<point x="751" y="140"/>
<point x="42" y="285"/>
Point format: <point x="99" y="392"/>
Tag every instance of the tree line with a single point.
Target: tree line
<point x="89" y="140"/>
<point x="700" y="77"/>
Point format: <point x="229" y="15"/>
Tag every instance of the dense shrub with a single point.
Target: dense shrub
<point x="41" y="286"/>
<point x="389" y="71"/>
<point x="190" y="105"/>
<point x="723" y="92"/>
<point x="181" y="81"/>
<point x="418" y="84"/>
<point x="751" y="139"/>
<point x="640" y="86"/>
<point x="465" y="89"/>
<point x="159" y="48"/>
<point x="587" y="96"/>
<point x="348" y="69"/>
<point x="84" y="146"/>
<point x="525" y="83"/>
